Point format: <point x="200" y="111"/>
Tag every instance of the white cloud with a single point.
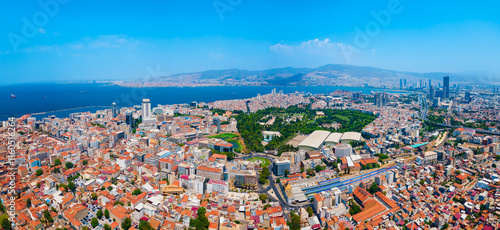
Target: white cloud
<point x="310" y="46"/>
<point x="318" y="50"/>
<point x="280" y="47"/>
<point x="316" y="43"/>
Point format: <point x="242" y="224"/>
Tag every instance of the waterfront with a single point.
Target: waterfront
<point x="63" y="99"/>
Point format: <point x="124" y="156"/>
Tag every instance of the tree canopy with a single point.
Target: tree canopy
<point x="127" y="223"/>
<point x="373" y="188"/>
<point x="69" y="165"/>
<point x="264" y="175"/>
<point x="47" y="216"/>
<point x="263" y="197"/>
<point x="251" y="130"/>
<point x="294" y="224"/>
<point x="201" y="221"/>
<point x="5" y="222"/>
<point x="99" y="214"/>
<point x="136" y="192"/>
<point x="94" y="222"/>
<point x="310" y="211"/>
<point x="144" y="225"/>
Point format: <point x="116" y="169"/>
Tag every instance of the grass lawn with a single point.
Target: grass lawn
<point x="344" y="118"/>
<point x="266" y="161"/>
<point x="224" y="135"/>
<point x="233" y="138"/>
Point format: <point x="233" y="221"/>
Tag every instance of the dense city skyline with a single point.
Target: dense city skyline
<point x="341" y="160"/>
<point x="249" y="115"/>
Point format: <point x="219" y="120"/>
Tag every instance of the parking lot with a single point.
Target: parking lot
<point x="92" y="208"/>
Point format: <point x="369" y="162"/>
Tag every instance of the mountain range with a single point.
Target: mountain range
<point x="335" y="74"/>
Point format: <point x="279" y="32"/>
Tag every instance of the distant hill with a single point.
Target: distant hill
<point x="323" y="75"/>
<point x="287" y="81"/>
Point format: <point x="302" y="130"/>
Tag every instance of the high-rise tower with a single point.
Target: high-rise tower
<point x="146" y="108"/>
<point x="467" y="97"/>
<point x="446" y="87"/>
<point x="129" y="120"/>
<point x="113" y="109"/>
<point x="432" y="93"/>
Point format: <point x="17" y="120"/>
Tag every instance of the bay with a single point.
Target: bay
<point x="63" y="99"/>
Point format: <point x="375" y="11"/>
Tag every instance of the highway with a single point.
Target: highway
<point x="272" y="185"/>
<point x="477" y="130"/>
<point x="246" y="157"/>
<point x="448" y="114"/>
<point x="448" y="117"/>
<point x="322" y="186"/>
<point x="327" y="185"/>
<point x="282" y="200"/>
<point x="329" y="181"/>
<point x="424" y="106"/>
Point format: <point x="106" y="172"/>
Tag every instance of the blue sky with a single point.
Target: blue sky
<point x="100" y="40"/>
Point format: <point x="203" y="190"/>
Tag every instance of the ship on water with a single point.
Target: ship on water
<point x="12" y="96"/>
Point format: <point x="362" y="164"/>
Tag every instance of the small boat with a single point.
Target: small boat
<point x="13" y="96"/>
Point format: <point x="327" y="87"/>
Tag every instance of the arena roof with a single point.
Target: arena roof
<point x="315" y="139"/>
<point x="351" y="136"/>
<point x="334" y="137"/>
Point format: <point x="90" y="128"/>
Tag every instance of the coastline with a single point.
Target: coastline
<point x="61" y="98"/>
<point x="263" y="85"/>
<point x="61" y="110"/>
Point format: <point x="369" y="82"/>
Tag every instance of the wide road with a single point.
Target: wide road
<point x="277" y="191"/>
<point x="424" y="106"/>
<point x="255" y="154"/>
<point x="477" y="130"/>
<point x="272" y="186"/>
<point x="281" y="199"/>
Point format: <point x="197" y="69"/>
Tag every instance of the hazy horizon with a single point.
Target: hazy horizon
<point x="77" y="81"/>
